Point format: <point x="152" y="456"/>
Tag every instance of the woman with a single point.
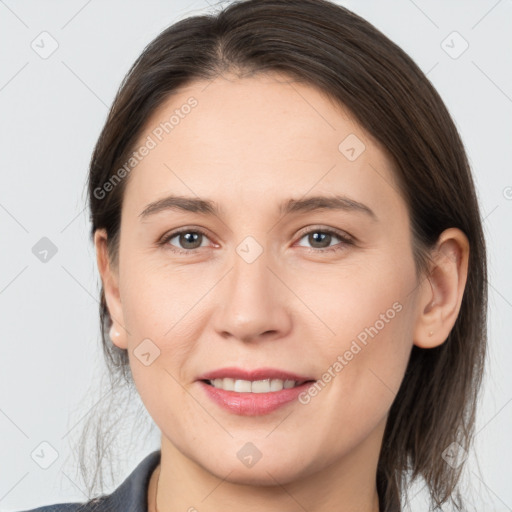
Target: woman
<point x="293" y="266"/>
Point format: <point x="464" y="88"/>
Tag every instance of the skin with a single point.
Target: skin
<point x="249" y="144"/>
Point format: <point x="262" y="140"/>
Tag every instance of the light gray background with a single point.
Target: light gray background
<point x="52" y="111"/>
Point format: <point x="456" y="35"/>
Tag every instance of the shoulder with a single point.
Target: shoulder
<point x="60" y="507"/>
<point x="94" y="505"/>
<point x="130" y="496"/>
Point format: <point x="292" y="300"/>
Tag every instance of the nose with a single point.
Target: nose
<point x="252" y="302"/>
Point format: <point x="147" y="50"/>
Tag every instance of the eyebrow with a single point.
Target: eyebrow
<point x="208" y="207"/>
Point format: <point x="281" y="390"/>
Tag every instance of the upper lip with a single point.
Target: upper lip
<point x="256" y="374"/>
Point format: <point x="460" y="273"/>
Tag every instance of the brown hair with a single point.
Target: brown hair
<point x="323" y="44"/>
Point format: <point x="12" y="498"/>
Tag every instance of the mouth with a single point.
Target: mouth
<point x="254" y="386"/>
<point x="259" y="380"/>
<point x="253" y="392"/>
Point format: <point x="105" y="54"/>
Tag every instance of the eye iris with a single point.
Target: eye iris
<point x="189" y="238"/>
<point x="315" y="236"/>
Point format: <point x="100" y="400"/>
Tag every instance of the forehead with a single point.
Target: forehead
<point x="257" y="136"/>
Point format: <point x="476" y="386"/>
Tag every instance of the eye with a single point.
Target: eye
<point x="322" y="238"/>
<point x="189" y="240"/>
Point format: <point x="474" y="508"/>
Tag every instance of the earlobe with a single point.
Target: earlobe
<point x="110" y="278"/>
<point x="115" y="336"/>
<point x="442" y="290"/>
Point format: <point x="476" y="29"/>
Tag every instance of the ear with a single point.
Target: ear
<point x="110" y="280"/>
<point x="442" y="290"/>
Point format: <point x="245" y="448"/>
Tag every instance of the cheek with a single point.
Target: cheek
<point x="157" y="300"/>
<point x="358" y="300"/>
<point x="159" y="314"/>
<point x="369" y="318"/>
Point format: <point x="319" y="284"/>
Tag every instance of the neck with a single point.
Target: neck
<point x="153" y="489"/>
<point x="348" y="484"/>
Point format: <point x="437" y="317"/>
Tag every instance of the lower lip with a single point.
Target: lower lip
<point x="253" y="404"/>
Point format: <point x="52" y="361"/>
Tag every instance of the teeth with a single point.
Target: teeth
<point x="256" y="386"/>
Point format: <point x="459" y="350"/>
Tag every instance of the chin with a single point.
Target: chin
<point x="271" y="472"/>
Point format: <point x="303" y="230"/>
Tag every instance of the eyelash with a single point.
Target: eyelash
<point x="345" y="240"/>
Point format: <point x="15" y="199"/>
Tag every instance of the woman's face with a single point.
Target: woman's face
<point x="265" y="279"/>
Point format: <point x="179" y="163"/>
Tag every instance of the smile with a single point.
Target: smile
<point x="255" y="386"/>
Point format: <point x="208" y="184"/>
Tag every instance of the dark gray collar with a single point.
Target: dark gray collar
<point x="132" y="494"/>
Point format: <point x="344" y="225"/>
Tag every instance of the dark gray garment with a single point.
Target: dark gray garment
<point x="130" y="496"/>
